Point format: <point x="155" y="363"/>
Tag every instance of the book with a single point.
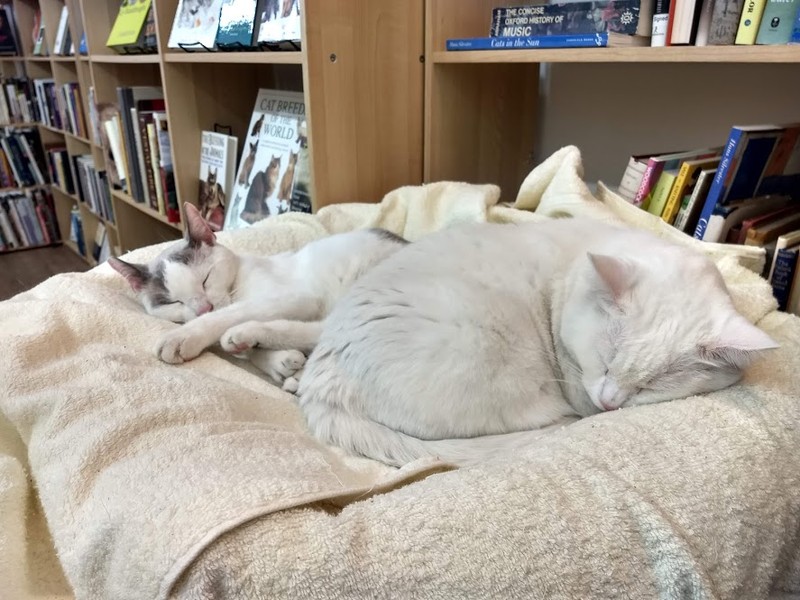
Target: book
<point x="749" y="165"/>
<point x="632" y="177"/>
<point x="793" y="304"/>
<point x="760" y="234"/>
<point x="61" y="32"/>
<point x="9" y="38"/>
<point x="166" y="170"/>
<point x="127" y="99"/>
<point x="787" y="240"/>
<point x="795" y="37"/>
<point x="783" y="275"/>
<point x="782" y="172"/>
<point x="685" y="22"/>
<point x="273" y="176"/>
<point x="237" y="24"/>
<point x="684" y="184"/>
<point x="217" y="170"/>
<point x="620" y="16"/>
<point x="777" y="22"/>
<point x="718" y="193"/>
<point x="581" y="40"/>
<point x="195" y="25"/>
<point x="279" y="23"/>
<point x="661" y="12"/>
<point x="750" y="22"/>
<point x="129" y="24"/>
<point x="661" y="191"/>
<point x="724" y="24"/>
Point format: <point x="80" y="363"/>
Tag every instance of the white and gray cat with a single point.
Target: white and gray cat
<point x="460" y="344"/>
<point x="216" y="292"/>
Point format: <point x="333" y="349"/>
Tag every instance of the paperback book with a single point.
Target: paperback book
<point x="217" y="170"/>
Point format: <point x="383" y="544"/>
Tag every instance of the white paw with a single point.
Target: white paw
<point x="238" y="339"/>
<point x="179" y="346"/>
<point x="279" y="365"/>
<point x="290" y="385"/>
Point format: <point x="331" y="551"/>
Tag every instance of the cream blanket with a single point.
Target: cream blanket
<point x="199" y="481"/>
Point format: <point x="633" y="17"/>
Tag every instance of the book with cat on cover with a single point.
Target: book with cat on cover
<point x="195" y="25"/>
<point x="279" y="23"/>
<point x="273" y="175"/>
<point x="217" y="170"/>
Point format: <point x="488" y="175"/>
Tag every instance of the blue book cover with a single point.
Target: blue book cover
<point x="725" y="171"/>
<point x="82" y="48"/>
<point x="586" y="40"/>
<point x="754" y="157"/>
<point x="795" y="39"/>
<point x="236" y="23"/>
<point x="561" y="18"/>
<point x="783" y="275"/>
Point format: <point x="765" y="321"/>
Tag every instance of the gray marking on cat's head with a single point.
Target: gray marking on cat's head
<point x="387" y="235"/>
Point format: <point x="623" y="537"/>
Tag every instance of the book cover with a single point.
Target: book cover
<point x="687" y="217"/>
<point x="279" y="21"/>
<point x="684" y="184"/>
<point x="795" y="37"/>
<point x="749" y="22"/>
<point x="273" y="175"/>
<point x="783" y="275"/>
<point x="632" y="177"/>
<point x="129" y="22"/>
<point x="787" y="240"/>
<point x="237" y="21"/>
<point x="660" y="23"/>
<point x="58" y="44"/>
<point x="782" y="173"/>
<point x="685" y="22"/>
<point x="717" y="194"/>
<point x="621" y="16"/>
<point x="748" y="166"/>
<point x="777" y="22"/>
<point x="9" y="43"/>
<point x="195" y="25"/>
<point x="217" y="171"/>
<point x="661" y="191"/>
<point x="581" y="40"/>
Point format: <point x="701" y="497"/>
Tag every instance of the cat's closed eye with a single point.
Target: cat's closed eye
<point x="206" y="279"/>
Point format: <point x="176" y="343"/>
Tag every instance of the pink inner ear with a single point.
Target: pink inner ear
<point x="197" y="226"/>
<point x="616" y="273"/>
<point x="738" y="343"/>
<point x="133" y="274"/>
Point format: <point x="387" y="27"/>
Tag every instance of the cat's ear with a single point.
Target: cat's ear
<point x="618" y="275"/>
<point x="135" y="275"/>
<point x="197" y="228"/>
<point x="739" y="343"/>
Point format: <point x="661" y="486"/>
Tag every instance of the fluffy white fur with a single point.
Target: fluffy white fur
<point x="462" y="343"/>
<point x="220" y="295"/>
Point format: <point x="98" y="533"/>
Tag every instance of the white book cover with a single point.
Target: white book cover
<point x="217" y="170"/>
<point x="279" y="20"/>
<point x="273" y="175"/>
<point x="61" y="31"/>
<point x="196" y="23"/>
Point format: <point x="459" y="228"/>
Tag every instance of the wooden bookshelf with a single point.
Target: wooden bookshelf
<point x="485" y="111"/>
<point x="362" y="82"/>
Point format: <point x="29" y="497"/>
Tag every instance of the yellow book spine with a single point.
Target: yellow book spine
<point x="749" y="22"/>
<point x="676" y="194"/>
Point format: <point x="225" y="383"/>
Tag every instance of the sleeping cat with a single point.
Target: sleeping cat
<point x="460" y="344"/>
<point x="211" y="289"/>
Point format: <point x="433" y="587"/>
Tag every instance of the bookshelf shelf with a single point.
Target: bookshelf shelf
<point x="77" y="138"/>
<point x="254" y="58"/>
<point x="72" y="246"/>
<point x="67" y="59"/>
<point x="126" y="59"/>
<point x="144" y="209"/>
<point x="38" y="59"/>
<point x="671" y="54"/>
<point x="12" y="250"/>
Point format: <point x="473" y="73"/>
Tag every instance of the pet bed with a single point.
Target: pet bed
<point x="123" y="477"/>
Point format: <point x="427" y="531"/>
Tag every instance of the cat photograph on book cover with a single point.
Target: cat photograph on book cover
<point x="273" y="176"/>
<point x="279" y="21"/>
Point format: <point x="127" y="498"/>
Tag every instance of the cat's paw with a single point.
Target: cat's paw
<point x="178" y="346"/>
<point x="239" y="338"/>
<point x="279" y="365"/>
<point x="290" y="385"/>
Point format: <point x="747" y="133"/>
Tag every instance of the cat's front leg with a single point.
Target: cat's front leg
<point x="282" y="366"/>
<point x="189" y="340"/>
<point x="272" y="335"/>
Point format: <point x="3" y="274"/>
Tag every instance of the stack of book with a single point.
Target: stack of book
<point x="134" y="134"/>
<point x="746" y="191"/>
<point x="27" y="219"/>
<point x="21" y="160"/>
<point x="17" y="102"/>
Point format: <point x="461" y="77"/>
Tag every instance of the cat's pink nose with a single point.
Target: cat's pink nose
<point x="205" y="307"/>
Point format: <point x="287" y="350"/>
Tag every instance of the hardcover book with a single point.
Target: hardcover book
<point x="236" y="24"/>
<point x="195" y="25"/>
<point x="273" y="175"/>
<point x="217" y="170"/>
<point x="279" y="22"/>
<point x="777" y="22"/>
<point x="129" y="23"/>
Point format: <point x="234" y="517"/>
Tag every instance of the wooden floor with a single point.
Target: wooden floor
<point x="20" y="271"/>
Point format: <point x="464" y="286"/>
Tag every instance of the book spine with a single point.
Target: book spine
<point x="597" y="40"/>
<point x="676" y="194"/>
<point x="716" y="191"/>
<point x="750" y="21"/>
<point x="145" y="165"/>
<point x="783" y="276"/>
<point x="795" y="37"/>
<point x="661" y="193"/>
<point x="649" y="180"/>
<point x="8" y="229"/>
